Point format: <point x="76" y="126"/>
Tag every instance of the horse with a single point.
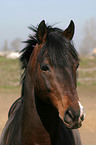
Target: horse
<point x="49" y="111"/>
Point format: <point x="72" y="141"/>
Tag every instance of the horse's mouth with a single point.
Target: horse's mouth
<point x="73" y="125"/>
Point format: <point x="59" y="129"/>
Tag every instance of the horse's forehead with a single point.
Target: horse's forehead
<point x="46" y="56"/>
<point x="35" y="52"/>
<point x="38" y="48"/>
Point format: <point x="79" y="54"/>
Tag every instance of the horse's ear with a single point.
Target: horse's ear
<point x="42" y="32"/>
<point x="69" y="32"/>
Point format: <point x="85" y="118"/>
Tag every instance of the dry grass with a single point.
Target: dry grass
<point x="9" y="72"/>
<point x="87" y="95"/>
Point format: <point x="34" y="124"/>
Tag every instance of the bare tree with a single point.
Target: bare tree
<point x="89" y="41"/>
<point x="16" y="44"/>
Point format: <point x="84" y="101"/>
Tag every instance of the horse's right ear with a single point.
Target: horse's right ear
<point x="69" y="32"/>
<point x="42" y="32"/>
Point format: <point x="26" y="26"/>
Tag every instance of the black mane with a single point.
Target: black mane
<point x="59" y="49"/>
<point x="26" y="52"/>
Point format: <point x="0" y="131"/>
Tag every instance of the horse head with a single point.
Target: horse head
<point x="53" y="65"/>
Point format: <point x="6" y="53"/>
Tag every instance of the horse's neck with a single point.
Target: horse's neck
<point x="32" y="127"/>
<point x="59" y="134"/>
<point x="48" y="114"/>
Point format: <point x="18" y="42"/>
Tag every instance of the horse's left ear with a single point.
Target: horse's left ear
<point x="42" y="32"/>
<point x="69" y="32"/>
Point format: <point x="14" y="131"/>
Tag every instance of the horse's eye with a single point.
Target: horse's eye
<point x="44" y="67"/>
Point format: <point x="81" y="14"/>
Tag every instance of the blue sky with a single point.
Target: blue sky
<point x="16" y="16"/>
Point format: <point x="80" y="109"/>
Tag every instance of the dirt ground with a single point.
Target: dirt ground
<point x="87" y="95"/>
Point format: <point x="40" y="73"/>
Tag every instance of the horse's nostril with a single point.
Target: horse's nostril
<point x="70" y="114"/>
<point x="68" y="117"/>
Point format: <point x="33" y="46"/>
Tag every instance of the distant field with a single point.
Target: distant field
<point x="87" y="71"/>
<point x="9" y="73"/>
<point x="10" y="90"/>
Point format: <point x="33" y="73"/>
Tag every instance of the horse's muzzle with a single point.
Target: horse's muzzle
<point x="73" y="119"/>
